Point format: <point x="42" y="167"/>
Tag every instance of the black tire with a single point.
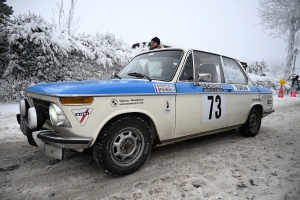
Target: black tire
<point x="123" y="145"/>
<point x="252" y="125"/>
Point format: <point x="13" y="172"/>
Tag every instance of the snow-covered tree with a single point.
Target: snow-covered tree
<point x="263" y="66"/>
<point x="38" y="52"/>
<point x="36" y="48"/>
<point x="5" y="11"/>
<point x="282" y="18"/>
<point x="257" y="67"/>
<point x="276" y="68"/>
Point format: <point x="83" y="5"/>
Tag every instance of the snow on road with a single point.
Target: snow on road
<point x="221" y="166"/>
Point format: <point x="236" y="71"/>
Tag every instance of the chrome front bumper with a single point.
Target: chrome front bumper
<point x="54" y="139"/>
<point x="36" y="136"/>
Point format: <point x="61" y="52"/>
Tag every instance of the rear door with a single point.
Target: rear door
<point x="243" y="95"/>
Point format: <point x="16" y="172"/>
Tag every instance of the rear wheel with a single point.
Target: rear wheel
<point x="123" y="145"/>
<point x="252" y="125"/>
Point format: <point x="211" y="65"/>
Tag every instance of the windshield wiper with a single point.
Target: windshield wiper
<point x="117" y="76"/>
<point x="136" y="74"/>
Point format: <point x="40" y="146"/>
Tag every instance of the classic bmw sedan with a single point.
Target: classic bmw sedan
<point x="161" y="96"/>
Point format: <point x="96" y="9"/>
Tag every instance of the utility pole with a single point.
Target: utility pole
<point x="295" y="54"/>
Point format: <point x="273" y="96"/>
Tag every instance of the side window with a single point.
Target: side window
<point x="187" y="73"/>
<point x="208" y="68"/>
<point x="233" y="72"/>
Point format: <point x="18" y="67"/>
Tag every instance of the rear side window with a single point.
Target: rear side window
<point x="207" y="64"/>
<point x="233" y="72"/>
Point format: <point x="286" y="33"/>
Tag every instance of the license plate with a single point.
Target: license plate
<point x="23" y="126"/>
<point x="54" y="152"/>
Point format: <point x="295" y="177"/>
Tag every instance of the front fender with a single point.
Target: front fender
<point x="118" y="113"/>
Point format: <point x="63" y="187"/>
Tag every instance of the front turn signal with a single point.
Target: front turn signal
<point x="75" y="100"/>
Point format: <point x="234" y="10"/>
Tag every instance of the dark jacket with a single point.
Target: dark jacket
<point x="295" y="81"/>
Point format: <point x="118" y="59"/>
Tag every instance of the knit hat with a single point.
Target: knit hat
<point x="156" y="39"/>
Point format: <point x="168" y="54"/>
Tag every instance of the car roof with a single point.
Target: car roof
<point x="169" y="47"/>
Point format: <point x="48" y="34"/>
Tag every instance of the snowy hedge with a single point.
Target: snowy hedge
<point x="37" y="52"/>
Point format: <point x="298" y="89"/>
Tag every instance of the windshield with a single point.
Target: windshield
<point x="159" y="65"/>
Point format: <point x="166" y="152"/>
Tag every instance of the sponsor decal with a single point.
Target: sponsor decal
<point x="82" y="115"/>
<point x="269" y="102"/>
<point x="164" y="87"/>
<point x="207" y="87"/>
<point x="230" y="76"/>
<point x="167" y="106"/>
<point x="266" y="96"/>
<point x="256" y="100"/>
<point x="241" y="88"/>
<point x="128" y="102"/>
<point x="114" y="102"/>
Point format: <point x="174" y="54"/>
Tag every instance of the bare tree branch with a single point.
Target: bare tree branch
<point x="67" y="23"/>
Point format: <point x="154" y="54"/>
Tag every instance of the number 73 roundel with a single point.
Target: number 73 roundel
<point x="213" y="107"/>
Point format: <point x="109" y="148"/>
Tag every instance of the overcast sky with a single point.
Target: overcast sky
<point x="228" y="27"/>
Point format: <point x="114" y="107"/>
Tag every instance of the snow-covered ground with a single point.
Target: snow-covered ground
<point x="220" y="166"/>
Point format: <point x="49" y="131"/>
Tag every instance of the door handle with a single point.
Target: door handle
<point x="227" y="90"/>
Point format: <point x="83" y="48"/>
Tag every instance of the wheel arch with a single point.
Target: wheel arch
<point x="145" y="116"/>
<point x="259" y="106"/>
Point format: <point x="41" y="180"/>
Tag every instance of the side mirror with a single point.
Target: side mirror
<point x="204" y="77"/>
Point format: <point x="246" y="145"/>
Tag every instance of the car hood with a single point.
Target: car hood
<point x="101" y="87"/>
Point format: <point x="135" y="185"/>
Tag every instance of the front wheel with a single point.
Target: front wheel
<point x="252" y="125"/>
<point x="123" y="145"/>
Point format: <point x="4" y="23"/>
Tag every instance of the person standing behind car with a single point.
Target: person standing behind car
<point x="154" y="68"/>
<point x="295" y="86"/>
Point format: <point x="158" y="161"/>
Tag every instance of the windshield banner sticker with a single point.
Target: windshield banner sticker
<point x="82" y="115"/>
<point x="167" y="106"/>
<point x="211" y="87"/>
<point x="164" y="87"/>
<point x="241" y="88"/>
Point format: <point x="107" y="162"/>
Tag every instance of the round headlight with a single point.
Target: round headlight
<point x="36" y="118"/>
<point x="23" y="106"/>
<point x="32" y="118"/>
<point x="57" y="117"/>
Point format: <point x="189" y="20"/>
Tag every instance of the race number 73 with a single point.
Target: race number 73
<point x="213" y="107"/>
<point x="217" y="100"/>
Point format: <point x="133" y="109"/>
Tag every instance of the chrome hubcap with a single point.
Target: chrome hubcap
<point x="253" y="121"/>
<point x="126" y="147"/>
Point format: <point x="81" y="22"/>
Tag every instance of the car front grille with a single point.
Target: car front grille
<point x="43" y="105"/>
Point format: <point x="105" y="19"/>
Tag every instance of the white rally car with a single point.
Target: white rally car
<point x="161" y="96"/>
